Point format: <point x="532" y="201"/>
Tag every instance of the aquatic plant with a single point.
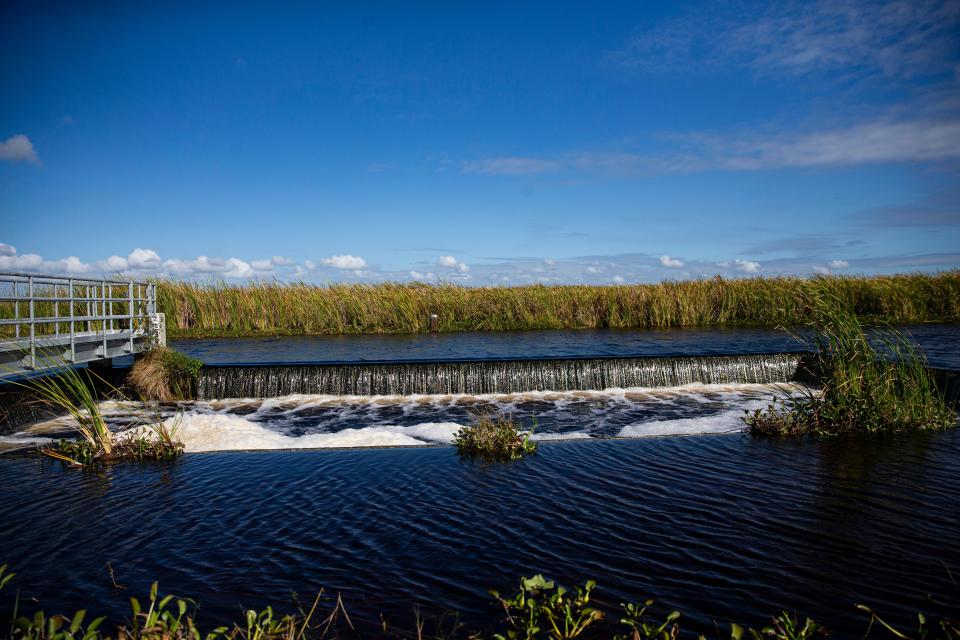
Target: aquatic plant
<point x="542" y="609"/>
<point x="539" y="610"/>
<point x="164" y="375"/>
<point x="862" y="390"/>
<point x="74" y="392"/>
<point x="494" y="439"/>
<point x="274" y="308"/>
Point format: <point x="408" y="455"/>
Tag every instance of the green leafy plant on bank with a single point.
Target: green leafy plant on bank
<point x="862" y="390"/>
<point x="494" y="439"/>
<point x="539" y="610"/>
<point x="164" y="375"/>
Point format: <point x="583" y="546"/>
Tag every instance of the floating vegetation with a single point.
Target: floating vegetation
<point x="862" y="390"/>
<point x="539" y="610"/>
<point x="73" y="391"/>
<point x="494" y="439"/>
<point x="275" y="308"/>
<point x="165" y="375"/>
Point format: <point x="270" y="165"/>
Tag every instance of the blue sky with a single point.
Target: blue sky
<point x="483" y="143"/>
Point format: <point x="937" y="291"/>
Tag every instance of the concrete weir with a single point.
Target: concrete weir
<point x="493" y="376"/>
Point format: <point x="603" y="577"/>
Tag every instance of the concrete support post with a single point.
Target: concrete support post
<point x="158" y="329"/>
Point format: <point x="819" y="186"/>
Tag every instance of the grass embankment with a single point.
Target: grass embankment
<point x="861" y="390"/>
<point x="539" y="610"/>
<point x="273" y="308"/>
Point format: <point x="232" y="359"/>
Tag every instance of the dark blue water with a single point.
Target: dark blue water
<point x="720" y="527"/>
<point x="940" y="342"/>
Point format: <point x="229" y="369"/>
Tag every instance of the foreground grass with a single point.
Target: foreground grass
<point x="73" y="392"/>
<point x="861" y="391"/>
<point x="539" y="609"/>
<point x="273" y="308"/>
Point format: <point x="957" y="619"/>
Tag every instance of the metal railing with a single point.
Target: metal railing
<point x="38" y="312"/>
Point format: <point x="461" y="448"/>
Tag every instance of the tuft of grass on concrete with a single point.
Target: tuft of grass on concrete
<point x="164" y="375"/>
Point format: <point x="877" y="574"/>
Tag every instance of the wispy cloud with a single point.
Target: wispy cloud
<point x="18" y="148"/>
<point x="939" y="209"/>
<point x="892" y="38"/>
<point x="511" y="165"/>
<point x="928" y="137"/>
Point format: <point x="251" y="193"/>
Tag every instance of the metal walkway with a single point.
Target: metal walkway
<point x="49" y="321"/>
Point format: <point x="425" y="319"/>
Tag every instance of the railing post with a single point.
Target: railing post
<point x="16" y="309"/>
<point x="103" y="314"/>
<point x="73" y="332"/>
<point x="33" y="343"/>
<point x="130" y="313"/>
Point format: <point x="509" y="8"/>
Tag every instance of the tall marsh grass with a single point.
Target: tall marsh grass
<point x="275" y="308"/>
<point x="864" y="389"/>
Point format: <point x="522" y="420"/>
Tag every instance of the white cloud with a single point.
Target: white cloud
<point x="25" y="262"/>
<point x="593" y="269"/>
<point x="69" y="265"/>
<point x="345" y="261"/>
<point x="748" y="266"/>
<point x="416" y="275"/>
<point x="449" y="262"/>
<point x="821" y="270"/>
<point x="281" y="261"/>
<point x="618" y="279"/>
<point x="549" y="262"/>
<point x="262" y="265"/>
<point x="18" y="148"/>
<point x="7" y="250"/>
<point x="667" y="261"/>
<point x="839" y="264"/>
<point x="238" y="269"/>
<point x="113" y="263"/>
<point x="310" y="265"/>
<point x="143" y="259"/>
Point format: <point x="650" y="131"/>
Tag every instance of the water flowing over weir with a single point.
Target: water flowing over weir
<point x="492" y="376"/>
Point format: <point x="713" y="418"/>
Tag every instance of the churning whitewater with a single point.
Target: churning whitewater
<point x="334" y="421"/>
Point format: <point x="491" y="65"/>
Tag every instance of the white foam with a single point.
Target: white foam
<point x="219" y="432"/>
<point x="730" y="421"/>
<point x="570" y="435"/>
<point x="22" y="440"/>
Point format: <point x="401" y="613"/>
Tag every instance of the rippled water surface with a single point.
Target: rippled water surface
<point x="941" y="343"/>
<point x="718" y="526"/>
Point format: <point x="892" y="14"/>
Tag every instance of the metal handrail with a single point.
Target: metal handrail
<point x="93" y="309"/>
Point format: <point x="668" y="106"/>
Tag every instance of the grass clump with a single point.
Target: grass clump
<point x="73" y="391"/>
<point x="275" y="308"/>
<point x="863" y="390"/>
<point x="164" y="375"/>
<point x="494" y="439"/>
